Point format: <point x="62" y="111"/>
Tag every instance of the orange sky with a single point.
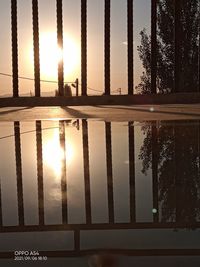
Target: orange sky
<point x="71" y="22"/>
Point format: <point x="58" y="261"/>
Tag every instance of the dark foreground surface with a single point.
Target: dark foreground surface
<point x="106" y="113"/>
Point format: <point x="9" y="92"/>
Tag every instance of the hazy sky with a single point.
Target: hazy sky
<point x="71" y="11"/>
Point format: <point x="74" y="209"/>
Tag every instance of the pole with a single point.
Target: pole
<point x="76" y="82"/>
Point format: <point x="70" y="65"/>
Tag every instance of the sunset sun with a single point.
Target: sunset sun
<point x="51" y="54"/>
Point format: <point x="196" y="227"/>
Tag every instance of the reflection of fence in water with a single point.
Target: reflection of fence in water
<point x="86" y="165"/>
<point x="89" y="225"/>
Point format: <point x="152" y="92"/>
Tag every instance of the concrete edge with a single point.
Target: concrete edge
<point x="159" y="99"/>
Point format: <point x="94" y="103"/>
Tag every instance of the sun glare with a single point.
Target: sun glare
<point x="53" y="153"/>
<point x="51" y="54"/>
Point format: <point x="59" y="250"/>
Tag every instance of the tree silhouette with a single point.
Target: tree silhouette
<point x="178" y="169"/>
<point x="188" y="50"/>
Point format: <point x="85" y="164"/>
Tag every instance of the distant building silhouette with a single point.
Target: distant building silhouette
<point x="67" y="91"/>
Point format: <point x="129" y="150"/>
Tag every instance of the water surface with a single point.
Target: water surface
<point x="76" y="188"/>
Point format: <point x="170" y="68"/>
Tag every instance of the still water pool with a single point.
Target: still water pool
<point x="84" y="192"/>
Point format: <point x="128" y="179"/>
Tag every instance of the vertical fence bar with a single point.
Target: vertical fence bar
<point x="177" y="173"/>
<point x="177" y="25"/>
<point x="14" y="48"/>
<point x="198" y="149"/>
<point x="131" y="135"/>
<point x="153" y="45"/>
<point x="155" y="172"/>
<point x="77" y="240"/>
<point x="77" y="86"/>
<point x="86" y="172"/>
<point x="174" y="173"/>
<point x="60" y="46"/>
<point x="40" y="172"/>
<point x="84" y="47"/>
<point x="19" y="173"/>
<point x="63" y="173"/>
<point x="36" y="47"/>
<point x="107" y="47"/>
<point x="109" y="172"/>
<point x="130" y="47"/>
<point x="1" y="213"/>
<point x="199" y="52"/>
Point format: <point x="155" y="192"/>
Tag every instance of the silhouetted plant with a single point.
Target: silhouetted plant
<point x="189" y="45"/>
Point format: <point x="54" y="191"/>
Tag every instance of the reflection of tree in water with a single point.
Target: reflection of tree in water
<point x="176" y="146"/>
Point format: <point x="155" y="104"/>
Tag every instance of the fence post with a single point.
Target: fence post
<point x="84" y="47"/>
<point x="14" y="48"/>
<point x="60" y="46"/>
<point x="130" y="47"/>
<point x="76" y="82"/>
<point x="153" y="45"/>
<point x="199" y="52"/>
<point x="107" y="47"/>
<point x="36" y="47"/>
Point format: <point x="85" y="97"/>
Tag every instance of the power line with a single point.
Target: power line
<point x="92" y="89"/>
<point x="51" y="81"/>
<point x="47" y="81"/>
<point x="30" y="79"/>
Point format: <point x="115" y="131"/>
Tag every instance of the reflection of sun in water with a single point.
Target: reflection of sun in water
<point x="51" y="54"/>
<point x="53" y="153"/>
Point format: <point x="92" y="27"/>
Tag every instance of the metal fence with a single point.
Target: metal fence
<point x="59" y="12"/>
<point x="107" y="52"/>
<point x="107" y="33"/>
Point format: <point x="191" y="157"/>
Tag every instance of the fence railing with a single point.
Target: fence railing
<point x="107" y="47"/>
<point x="107" y="33"/>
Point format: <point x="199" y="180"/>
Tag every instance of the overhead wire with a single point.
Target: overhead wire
<point x="30" y="79"/>
<point x="51" y="81"/>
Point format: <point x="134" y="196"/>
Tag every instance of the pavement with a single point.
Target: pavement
<point x="105" y="113"/>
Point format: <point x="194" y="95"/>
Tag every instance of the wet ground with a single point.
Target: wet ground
<point x="108" y="113"/>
